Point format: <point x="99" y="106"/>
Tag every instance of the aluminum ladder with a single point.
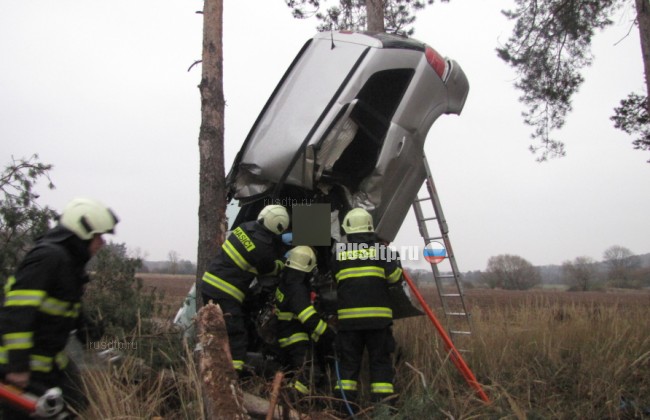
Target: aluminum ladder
<point x="446" y="274"/>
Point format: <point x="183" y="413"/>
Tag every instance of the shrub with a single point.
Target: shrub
<point x="115" y="298"/>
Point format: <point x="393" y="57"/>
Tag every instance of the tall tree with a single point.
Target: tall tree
<point x="212" y="211"/>
<point x="375" y="13"/>
<point x="550" y="46"/>
<point x="360" y="15"/>
<point x="212" y="183"/>
<point x="633" y="116"/>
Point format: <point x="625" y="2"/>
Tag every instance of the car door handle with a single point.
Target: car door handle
<point x="400" y="146"/>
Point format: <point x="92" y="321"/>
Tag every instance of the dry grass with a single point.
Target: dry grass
<point x="129" y="389"/>
<point x="539" y="354"/>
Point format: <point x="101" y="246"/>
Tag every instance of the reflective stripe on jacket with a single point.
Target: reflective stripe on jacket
<point x="362" y="280"/>
<point x="249" y="250"/>
<point x="298" y="320"/>
<point x="42" y="303"/>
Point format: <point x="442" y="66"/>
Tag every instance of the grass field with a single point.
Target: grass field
<point x="176" y="287"/>
<point x="538" y="354"/>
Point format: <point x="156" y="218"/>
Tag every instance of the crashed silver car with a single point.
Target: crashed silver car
<point x="346" y="125"/>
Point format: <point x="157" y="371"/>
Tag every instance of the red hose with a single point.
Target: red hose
<point x="17" y="398"/>
<point x="454" y="354"/>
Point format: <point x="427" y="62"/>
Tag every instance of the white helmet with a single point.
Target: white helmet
<point x="275" y="218"/>
<point x="86" y="217"/>
<point x="301" y="258"/>
<point x="358" y="221"/>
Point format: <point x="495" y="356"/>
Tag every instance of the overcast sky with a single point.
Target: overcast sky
<point x="101" y="91"/>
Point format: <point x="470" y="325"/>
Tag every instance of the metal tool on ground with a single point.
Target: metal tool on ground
<point x="49" y="405"/>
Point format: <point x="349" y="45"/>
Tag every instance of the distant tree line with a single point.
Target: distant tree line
<point x="620" y="268"/>
<point x="174" y="265"/>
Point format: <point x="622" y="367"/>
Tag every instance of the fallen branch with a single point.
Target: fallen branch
<point x="275" y="391"/>
<point x="259" y="407"/>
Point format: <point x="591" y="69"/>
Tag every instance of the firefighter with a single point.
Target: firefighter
<point x="254" y="248"/>
<point x="43" y="300"/>
<point x="364" y="269"/>
<point x="299" y="325"/>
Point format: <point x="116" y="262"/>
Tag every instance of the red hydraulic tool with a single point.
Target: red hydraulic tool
<point x="454" y="354"/>
<point x="48" y="405"/>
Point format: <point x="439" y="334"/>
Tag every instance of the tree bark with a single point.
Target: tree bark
<point x="375" y="15"/>
<point x="643" y="19"/>
<point x="222" y="397"/>
<point x="212" y="182"/>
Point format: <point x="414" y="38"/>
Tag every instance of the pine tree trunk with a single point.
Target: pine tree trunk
<point x="643" y="18"/>
<point x="212" y="187"/>
<point x="375" y="15"/>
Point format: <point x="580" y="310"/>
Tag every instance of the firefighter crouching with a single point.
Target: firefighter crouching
<point x="363" y="275"/>
<point x="299" y="325"/>
<point x="252" y="249"/>
<point x="43" y="300"/>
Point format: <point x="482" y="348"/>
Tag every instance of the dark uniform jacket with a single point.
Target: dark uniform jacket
<point x="249" y="251"/>
<point x="297" y="318"/>
<point x="42" y="303"/>
<point x="363" y="275"/>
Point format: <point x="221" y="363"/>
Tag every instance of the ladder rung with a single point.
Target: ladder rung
<point x="448" y="284"/>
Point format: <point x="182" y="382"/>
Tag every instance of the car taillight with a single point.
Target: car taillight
<point x="436" y="61"/>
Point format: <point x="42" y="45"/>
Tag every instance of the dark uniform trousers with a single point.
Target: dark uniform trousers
<point x="300" y="328"/>
<point x="380" y="344"/>
<point x="365" y="316"/>
<point x="249" y="251"/>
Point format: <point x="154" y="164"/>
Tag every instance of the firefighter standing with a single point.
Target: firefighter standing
<point x="299" y="325"/>
<point x="252" y="249"/>
<point x="43" y="300"/>
<point x="363" y="273"/>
